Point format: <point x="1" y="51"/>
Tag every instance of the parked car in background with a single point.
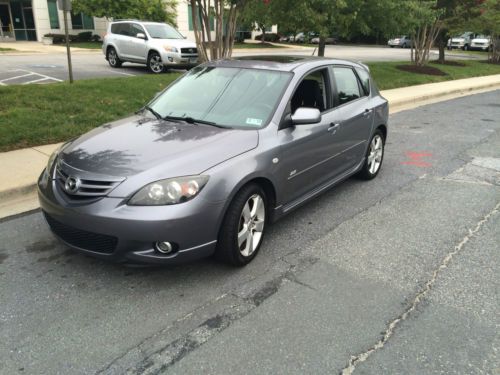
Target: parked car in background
<point x="158" y="45"/>
<point x="210" y="162"/>
<point x="481" y="43"/>
<point x="329" y="40"/>
<point x="461" y="41"/>
<point x="402" y="41"/>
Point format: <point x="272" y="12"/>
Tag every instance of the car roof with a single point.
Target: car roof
<point x="286" y="63"/>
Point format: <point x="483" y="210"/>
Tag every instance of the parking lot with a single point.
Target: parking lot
<point x="398" y="275"/>
<point x="44" y="68"/>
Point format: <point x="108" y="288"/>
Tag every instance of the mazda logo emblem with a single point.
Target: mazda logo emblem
<point x="72" y="185"/>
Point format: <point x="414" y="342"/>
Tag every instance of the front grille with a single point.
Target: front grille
<point x="192" y="51"/>
<point x="87" y="188"/>
<point x="99" y="243"/>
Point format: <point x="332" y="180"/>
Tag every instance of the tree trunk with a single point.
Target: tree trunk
<point x="263" y="28"/>
<point x="321" y="46"/>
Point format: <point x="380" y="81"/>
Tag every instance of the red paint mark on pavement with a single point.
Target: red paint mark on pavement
<point x="416" y="159"/>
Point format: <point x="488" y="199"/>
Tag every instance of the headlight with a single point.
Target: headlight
<point x="170" y="48"/>
<point x="169" y="191"/>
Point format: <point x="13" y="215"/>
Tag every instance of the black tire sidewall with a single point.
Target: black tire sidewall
<point x="227" y="245"/>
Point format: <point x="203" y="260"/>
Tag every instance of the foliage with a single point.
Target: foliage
<point x="151" y="10"/>
<point x="489" y="23"/>
<point x="257" y="13"/>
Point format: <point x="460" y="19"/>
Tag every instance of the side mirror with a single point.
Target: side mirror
<point x="304" y="115"/>
<point x="141" y="36"/>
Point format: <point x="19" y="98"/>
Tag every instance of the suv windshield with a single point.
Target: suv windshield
<point x="162" y="31"/>
<point x="230" y="97"/>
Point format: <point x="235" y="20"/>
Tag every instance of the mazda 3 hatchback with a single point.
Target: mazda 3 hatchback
<point x="214" y="159"/>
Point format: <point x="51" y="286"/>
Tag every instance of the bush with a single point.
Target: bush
<point x="85" y="36"/>
<point x="270" y="37"/>
<point x="95" y="38"/>
<point x="61" y="38"/>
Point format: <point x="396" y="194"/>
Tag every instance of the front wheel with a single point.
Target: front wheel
<point x="374" y="157"/>
<point x="243" y="227"/>
<point x="155" y="65"/>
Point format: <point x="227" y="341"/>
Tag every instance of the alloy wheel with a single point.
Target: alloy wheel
<point x="251" y="225"/>
<point x="376" y="153"/>
<point x="156" y="64"/>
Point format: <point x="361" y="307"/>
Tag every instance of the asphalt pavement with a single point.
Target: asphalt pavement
<point x="396" y="275"/>
<point x="43" y="68"/>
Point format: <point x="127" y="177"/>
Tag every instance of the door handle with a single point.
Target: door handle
<point x="367" y="112"/>
<point x="333" y="128"/>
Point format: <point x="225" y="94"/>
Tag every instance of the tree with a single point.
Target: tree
<point x="225" y="13"/>
<point x="257" y="13"/>
<point x="489" y="23"/>
<point x="152" y="10"/>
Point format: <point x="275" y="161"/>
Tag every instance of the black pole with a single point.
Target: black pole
<point x="70" y="67"/>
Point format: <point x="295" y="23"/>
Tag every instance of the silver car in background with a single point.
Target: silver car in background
<point x="158" y="45"/>
<point x="208" y="164"/>
<point x="402" y="41"/>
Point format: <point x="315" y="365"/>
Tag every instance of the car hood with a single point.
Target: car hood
<point x="457" y="39"/>
<point x="167" y="149"/>
<point x="480" y="40"/>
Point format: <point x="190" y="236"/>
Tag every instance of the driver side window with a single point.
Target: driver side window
<point x="311" y="92"/>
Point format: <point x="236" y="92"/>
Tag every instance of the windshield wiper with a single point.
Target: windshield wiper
<point x="191" y="120"/>
<point x="157" y="115"/>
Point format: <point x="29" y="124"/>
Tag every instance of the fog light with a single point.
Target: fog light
<point x="164" y="247"/>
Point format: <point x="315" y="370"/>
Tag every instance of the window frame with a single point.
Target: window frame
<point x="52" y="3"/>
<point x="327" y="87"/>
<point x="356" y="70"/>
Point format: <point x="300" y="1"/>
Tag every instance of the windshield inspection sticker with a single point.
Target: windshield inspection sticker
<point x="254" y="121"/>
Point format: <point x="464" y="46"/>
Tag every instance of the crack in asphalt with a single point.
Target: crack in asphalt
<point x="162" y="359"/>
<point x="419" y="297"/>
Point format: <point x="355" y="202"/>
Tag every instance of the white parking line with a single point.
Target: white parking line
<point x="24" y="75"/>
<point x="44" y="77"/>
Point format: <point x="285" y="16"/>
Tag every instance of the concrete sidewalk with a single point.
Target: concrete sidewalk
<point x="20" y="169"/>
<point x="37" y="47"/>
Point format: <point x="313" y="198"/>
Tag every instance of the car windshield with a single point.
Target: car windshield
<point x="228" y="97"/>
<point x="163" y="31"/>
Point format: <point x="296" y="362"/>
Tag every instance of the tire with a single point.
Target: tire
<point x="248" y="209"/>
<point x="368" y="171"/>
<point x="113" y="59"/>
<point x="155" y="65"/>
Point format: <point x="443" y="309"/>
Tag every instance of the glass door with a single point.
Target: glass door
<point x="24" y="23"/>
<point x="6" y="27"/>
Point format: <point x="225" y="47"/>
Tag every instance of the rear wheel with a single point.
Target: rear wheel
<point x="155" y="65"/>
<point x="374" y="157"/>
<point x="243" y="227"/>
<point x="113" y="59"/>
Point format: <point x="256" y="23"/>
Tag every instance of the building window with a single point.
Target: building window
<point x="53" y="14"/>
<point x="80" y="21"/>
<point x="190" y="19"/>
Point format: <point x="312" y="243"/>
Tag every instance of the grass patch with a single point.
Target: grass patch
<point x="87" y="45"/>
<point x="34" y="115"/>
<point x="254" y="45"/>
<point x="388" y="76"/>
<point x="43" y="114"/>
<point x="6" y="49"/>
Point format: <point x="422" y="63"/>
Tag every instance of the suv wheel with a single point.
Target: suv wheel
<point x="155" y="65"/>
<point x="242" y="229"/>
<point x="374" y="157"/>
<point x="113" y="59"/>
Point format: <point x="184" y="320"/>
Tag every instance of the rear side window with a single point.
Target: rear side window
<point x="346" y="84"/>
<point x="364" y="77"/>
<point x="121" y="29"/>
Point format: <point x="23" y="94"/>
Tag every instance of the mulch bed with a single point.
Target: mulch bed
<point x="430" y="70"/>
<point x="449" y="62"/>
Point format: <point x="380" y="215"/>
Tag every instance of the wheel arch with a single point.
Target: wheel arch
<point x="383" y="129"/>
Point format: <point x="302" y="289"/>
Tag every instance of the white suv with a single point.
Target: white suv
<point x="158" y="45"/>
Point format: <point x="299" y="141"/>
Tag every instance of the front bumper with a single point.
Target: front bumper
<point x="109" y="229"/>
<point x="174" y="59"/>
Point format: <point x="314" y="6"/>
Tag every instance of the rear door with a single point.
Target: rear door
<point x="123" y="39"/>
<point x="354" y="113"/>
<point x="136" y="47"/>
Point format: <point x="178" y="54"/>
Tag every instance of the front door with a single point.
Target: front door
<point x="6" y="27"/>
<point x="309" y="152"/>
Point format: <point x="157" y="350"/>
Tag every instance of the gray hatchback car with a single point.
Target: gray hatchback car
<point x="211" y="161"/>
